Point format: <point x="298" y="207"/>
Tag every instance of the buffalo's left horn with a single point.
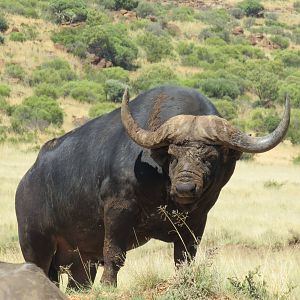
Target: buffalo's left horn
<point x="211" y="130"/>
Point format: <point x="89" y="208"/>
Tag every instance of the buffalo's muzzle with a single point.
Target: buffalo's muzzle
<point x="185" y="188"/>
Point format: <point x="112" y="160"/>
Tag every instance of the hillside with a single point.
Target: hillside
<point x="245" y="62"/>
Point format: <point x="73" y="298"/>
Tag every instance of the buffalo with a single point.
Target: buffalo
<point x="127" y="177"/>
<point x="26" y="282"/>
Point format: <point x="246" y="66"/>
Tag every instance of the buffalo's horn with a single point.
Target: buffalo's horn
<point x="211" y="130"/>
<point x="245" y="143"/>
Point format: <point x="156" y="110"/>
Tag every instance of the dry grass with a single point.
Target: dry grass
<point x="251" y="225"/>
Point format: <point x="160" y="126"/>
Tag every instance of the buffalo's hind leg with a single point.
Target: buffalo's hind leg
<point x="37" y="248"/>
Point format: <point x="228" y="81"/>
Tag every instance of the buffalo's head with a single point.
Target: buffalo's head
<point x="193" y="144"/>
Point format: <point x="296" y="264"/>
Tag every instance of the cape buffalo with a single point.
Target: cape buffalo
<point x="95" y="192"/>
<point x="26" y="282"/>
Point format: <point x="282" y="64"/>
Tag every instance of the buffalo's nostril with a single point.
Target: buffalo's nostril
<point x="185" y="187"/>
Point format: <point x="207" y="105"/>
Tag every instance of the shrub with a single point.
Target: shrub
<point x="101" y="108"/>
<point x="152" y="76"/>
<point x="45" y="89"/>
<point x="292" y="90"/>
<point x="2" y="39"/>
<point x="100" y="76"/>
<point x="183" y="14"/>
<point x="263" y="120"/>
<point x="145" y="9"/>
<point x="70" y="11"/>
<point x="226" y="108"/>
<point x="15" y="71"/>
<point x="4" y="90"/>
<point x="290" y="58"/>
<point x="114" y="90"/>
<point x="55" y="72"/>
<point x="84" y="91"/>
<point x="126" y="4"/>
<point x="37" y="113"/>
<point x="112" y="43"/>
<point x="218" y="18"/>
<point x="17" y="37"/>
<point x="294" y="130"/>
<point x="251" y="8"/>
<point x="220" y="87"/>
<point x="156" y="48"/>
<point x="281" y="41"/>
<point x="237" y="12"/>
<point x="5" y="107"/>
<point x="3" y="23"/>
<point x="296" y="6"/>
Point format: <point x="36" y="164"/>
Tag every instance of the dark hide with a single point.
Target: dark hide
<point x="93" y="193"/>
<point x="26" y="282"/>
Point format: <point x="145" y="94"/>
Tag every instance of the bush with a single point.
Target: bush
<point x="263" y="121"/>
<point x="15" y="71"/>
<point x="5" y="107"/>
<point x="296" y="6"/>
<point x="2" y="39"/>
<point x="17" y="37"/>
<point x="45" y="89"/>
<point x="37" y="113"/>
<point x="126" y="4"/>
<point x="101" y="108"/>
<point x="68" y="11"/>
<point x="152" y="76"/>
<point x="145" y="9"/>
<point x="226" y="108"/>
<point x="100" y="76"/>
<point x="114" y="90"/>
<point x="156" y="48"/>
<point x="183" y="14"/>
<point x="237" y="12"/>
<point x="112" y="43"/>
<point x="220" y="87"/>
<point x="4" y="90"/>
<point x="55" y="72"/>
<point x="294" y="130"/>
<point x="251" y="8"/>
<point x="219" y="19"/>
<point x="281" y="41"/>
<point x="290" y="58"/>
<point x="3" y="23"/>
<point x="84" y="91"/>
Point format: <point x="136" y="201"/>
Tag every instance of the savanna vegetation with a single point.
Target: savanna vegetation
<point x="64" y="62"/>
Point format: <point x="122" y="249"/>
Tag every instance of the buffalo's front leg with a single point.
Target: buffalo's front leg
<point x="119" y="219"/>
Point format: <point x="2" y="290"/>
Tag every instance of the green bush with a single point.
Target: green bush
<point x="220" y="87"/>
<point x="263" y="121"/>
<point x="237" y="13"/>
<point x="4" y="90"/>
<point x="296" y="5"/>
<point x="114" y="90"/>
<point x="251" y="8"/>
<point x="294" y="130"/>
<point x="183" y="14"/>
<point x="145" y="9"/>
<point x="126" y="4"/>
<point x="84" y="91"/>
<point x="101" y="108"/>
<point x="292" y="90"/>
<point x="68" y="11"/>
<point x="17" y="37"/>
<point x="156" y="48"/>
<point x="2" y="39"/>
<point x="37" y="113"/>
<point x="5" y="107"/>
<point x="45" y="89"/>
<point x="3" y="23"/>
<point x="226" y="108"/>
<point x="289" y="58"/>
<point x="112" y="42"/>
<point x="281" y="41"/>
<point x="15" y="71"/>
<point x="55" y="72"/>
<point x="219" y="19"/>
<point x="152" y="76"/>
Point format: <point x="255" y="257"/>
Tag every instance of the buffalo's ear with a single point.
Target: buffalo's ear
<point x="160" y="156"/>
